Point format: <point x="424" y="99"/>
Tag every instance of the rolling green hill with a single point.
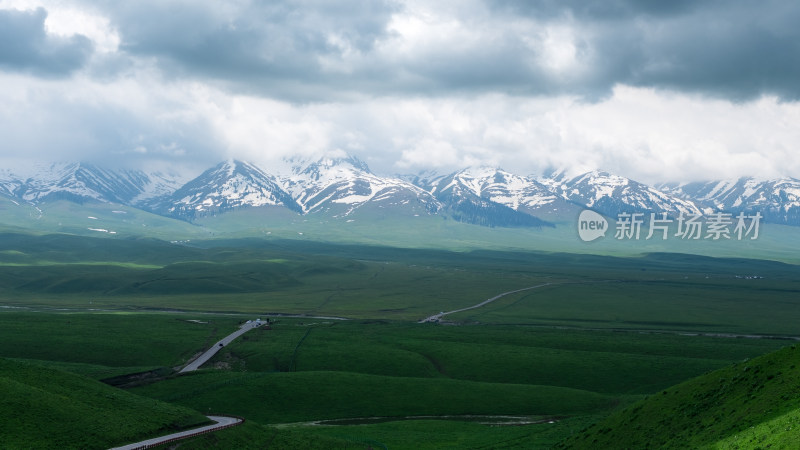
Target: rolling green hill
<point x="301" y="396"/>
<point x="44" y="408"/>
<point x="370" y="227"/>
<point x="598" y="333"/>
<point x="665" y="291"/>
<point x="93" y="219"/>
<point x="752" y="404"/>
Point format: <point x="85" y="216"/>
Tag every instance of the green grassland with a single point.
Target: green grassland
<point x="721" y="303"/>
<point x="251" y="435"/>
<point x="438" y="434"/>
<point x="93" y="219"/>
<point x="282" y="397"/>
<point x="255" y="276"/>
<point x="418" y="434"/>
<point x="45" y="408"/>
<point x="313" y="369"/>
<point x="780" y="432"/>
<point x="291" y="374"/>
<point x="605" y="332"/>
<point x="108" y="344"/>
<point x="752" y="404"/>
<point x="374" y="227"/>
<point x="599" y="361"/>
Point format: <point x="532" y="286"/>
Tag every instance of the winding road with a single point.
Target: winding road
<point x="202" y="359"/>
<point x="437" y="317"/>
<point x="222" y="422"/>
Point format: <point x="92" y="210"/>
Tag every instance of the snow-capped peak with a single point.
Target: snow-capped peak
<point x="229" y="185"/>
<point x="778" y="200"/>
<point x="339" y="184"/>
<point x="76" y="181"/>
<point x="613" y="194"/>
<point x="345" y="183"/>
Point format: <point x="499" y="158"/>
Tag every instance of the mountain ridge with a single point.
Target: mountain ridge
<point x="343" y="186"/>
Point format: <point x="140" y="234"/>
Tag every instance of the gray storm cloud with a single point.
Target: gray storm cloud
<point x="319" y="50"/>
<point x="26" y="47"/>
<point x="654" y="89"/>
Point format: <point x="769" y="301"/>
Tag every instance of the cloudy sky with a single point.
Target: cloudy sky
<point x="654" y="90"/>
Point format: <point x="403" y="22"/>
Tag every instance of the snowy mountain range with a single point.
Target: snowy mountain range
<point x="611" y="194"/>
<point x="227" y="186"/>
<point x="344" y="186"/>
<point x="778" y="201"/>
<point x="488" y="196"/>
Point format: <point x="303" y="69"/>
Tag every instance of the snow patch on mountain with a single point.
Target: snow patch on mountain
<point x="318" y="185"/>
<point x="612" y="194"/>
<point x="487" y="196"/>
<point x="227" y="186"/>
<point x="341" y="185"/>
<point x="778" y="200"/>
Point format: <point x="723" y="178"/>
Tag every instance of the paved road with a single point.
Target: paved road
<point x="437" y="317"/>
<point x="202" y="359"/>
<point x="221" y="422"/>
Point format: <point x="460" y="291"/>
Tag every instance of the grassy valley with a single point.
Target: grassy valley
<point x="47" y="408"/>
<point x="597" y="334"/>
<point x="751" y="404"/>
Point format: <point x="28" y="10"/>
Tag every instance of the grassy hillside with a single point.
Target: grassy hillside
<point x="752" y="404"/>
<point x="311" y="369"/>
<point x="44" y="408"/>
<point x="599" y="361"/>
<point x="371" y="227"/>
<point x="105" y="344"/>
<point x="252" y="435"/>
<point x="778" y="242"/>
<point x="406" y="434"/>
<point x="661" y="291"/>
<point x="303" y="396"/>
<point x="780" y="432"/>
<point x="602" y="333"/>
<point x="93" y="219"/>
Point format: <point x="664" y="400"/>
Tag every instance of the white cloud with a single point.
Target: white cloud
<point x="423" y="85"/>
<point x="67" y="20"/>
<point x="71" y="21"/>
<point x="429" y="154"/>
<point x="657" y="135"/>
<point x="644" y="134"/>
<point x="262" y="130"/>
